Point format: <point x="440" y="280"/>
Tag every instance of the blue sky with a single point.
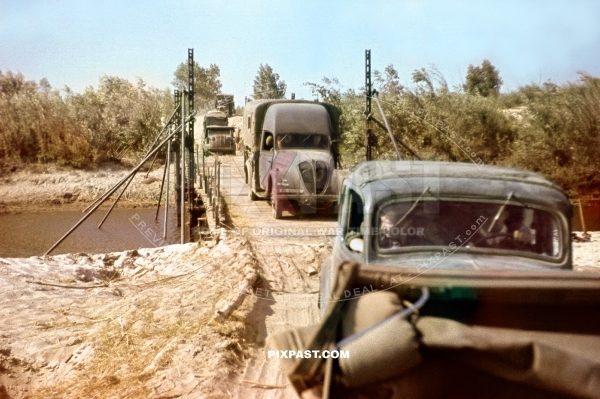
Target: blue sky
<point x="73" y="43"/>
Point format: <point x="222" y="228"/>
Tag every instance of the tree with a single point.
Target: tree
<point x="483" y="80"/>
<point x="351" y="105"/>
<point x="206" y="82"/>
<point x="267" y="84"/>
<point x="389" y="81"/>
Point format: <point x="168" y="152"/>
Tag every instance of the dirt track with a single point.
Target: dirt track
<point x="289" y="252"/>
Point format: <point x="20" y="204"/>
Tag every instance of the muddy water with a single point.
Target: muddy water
<point x="32" y="234"/>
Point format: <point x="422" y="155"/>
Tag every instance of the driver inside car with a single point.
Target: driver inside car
<point x="269" y="143"/>
<point x="401" y="228"/>
<point x="509" y="226"/>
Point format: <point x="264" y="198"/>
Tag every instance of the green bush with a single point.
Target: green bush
<point x="559" y="133"/>
<point x="37" y="125"/>
<point x="550" y="129"/>
<point x="42" y="125"/>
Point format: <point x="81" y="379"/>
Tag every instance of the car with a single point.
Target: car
<point x="447" y="215"/>
<point x="449" y="280"/>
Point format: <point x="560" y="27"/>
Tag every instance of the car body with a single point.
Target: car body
<point x="450" y="280"/>
<point x="441" y="215"/>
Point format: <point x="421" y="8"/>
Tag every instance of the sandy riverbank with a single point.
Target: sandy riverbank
<point x="48" y="187"/>
<point x="586" y="255"/>
<point x="126" y="324"/>
<point x="137" y="323"/>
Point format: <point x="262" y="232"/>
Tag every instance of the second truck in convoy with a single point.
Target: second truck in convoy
<point x="218" y="135"/>
<point x="290" y="154"/>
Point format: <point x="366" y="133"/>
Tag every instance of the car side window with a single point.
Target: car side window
<point x="355" y="220"/>
<point x="355" y="214"/>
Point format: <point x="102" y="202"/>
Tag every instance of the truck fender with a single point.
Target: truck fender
<point x="269" y="185"/>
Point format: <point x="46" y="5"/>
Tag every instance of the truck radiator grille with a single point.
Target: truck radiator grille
<point x="314" y="176"/>
<point x="220" y="142"/>
<point x="320" y="176"/>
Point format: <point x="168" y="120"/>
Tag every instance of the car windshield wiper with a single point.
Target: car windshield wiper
<point x="412" y="208"/>
<point x="500" y="210"/>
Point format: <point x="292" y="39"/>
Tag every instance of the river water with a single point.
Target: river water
<point x="32" y="234"/>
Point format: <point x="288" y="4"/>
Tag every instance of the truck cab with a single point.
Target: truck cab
<point x="290" y="154"/>
<point x="218" y="136"/>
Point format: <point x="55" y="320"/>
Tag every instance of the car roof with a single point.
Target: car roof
<point x="410" y="178"/>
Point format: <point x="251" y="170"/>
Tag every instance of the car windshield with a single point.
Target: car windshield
<point x="468" y="225"/>
<point x="299" y="140"/>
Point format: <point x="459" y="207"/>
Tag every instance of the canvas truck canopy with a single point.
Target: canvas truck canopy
<point x="447" y="333"/>
<point x="225" y="102"/>
<point x="215" y="118"/>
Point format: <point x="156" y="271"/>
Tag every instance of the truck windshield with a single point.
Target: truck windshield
<point x="300" y="140"/>
<point x="215" y="121"/>
<point x="227" y="132"/>
<point x="468" y="225"/>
